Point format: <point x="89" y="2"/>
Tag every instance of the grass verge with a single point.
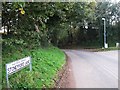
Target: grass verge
<point x="45" y="65"/>
<point x="106" y="49"/>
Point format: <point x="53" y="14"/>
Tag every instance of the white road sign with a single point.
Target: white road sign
<point x="16" y="66"/>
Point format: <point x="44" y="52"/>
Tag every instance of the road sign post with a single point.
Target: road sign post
<point x="15" y="66"/>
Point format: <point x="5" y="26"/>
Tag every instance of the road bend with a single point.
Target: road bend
<point x="94" y="69"/>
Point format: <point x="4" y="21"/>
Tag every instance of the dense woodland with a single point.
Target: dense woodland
<point x="60" y="23"/>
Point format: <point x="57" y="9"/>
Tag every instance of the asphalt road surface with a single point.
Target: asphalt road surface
<point x="94" y="69"/>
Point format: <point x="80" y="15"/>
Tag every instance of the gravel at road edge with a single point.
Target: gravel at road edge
<point x="66" y="78"/>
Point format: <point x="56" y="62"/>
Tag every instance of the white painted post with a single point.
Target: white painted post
<point x="7" y="77"/>
<point x="117" y="45"/>
<point x="106" y="45"/>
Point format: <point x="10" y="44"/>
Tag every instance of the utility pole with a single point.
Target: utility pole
<point x="105" y="41"/>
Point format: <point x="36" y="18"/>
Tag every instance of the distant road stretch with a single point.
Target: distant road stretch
<point x="94" y="69"/>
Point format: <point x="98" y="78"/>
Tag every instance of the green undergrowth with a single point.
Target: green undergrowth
<point x="103" y="49"/>
<point x="46" y="63"/>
